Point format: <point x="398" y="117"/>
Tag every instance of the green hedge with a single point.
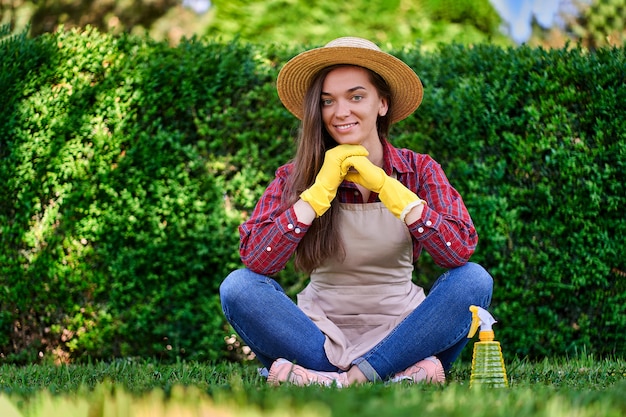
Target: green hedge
<point x="127" y="166"/>
<point x="536" y="142"/>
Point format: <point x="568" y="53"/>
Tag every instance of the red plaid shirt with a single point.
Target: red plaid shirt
<point x="445" y="230"/>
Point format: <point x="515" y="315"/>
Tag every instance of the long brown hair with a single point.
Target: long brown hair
<point x="322" y="239"/>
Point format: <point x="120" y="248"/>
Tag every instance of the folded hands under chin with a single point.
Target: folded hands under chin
<point x="393" y="194"/>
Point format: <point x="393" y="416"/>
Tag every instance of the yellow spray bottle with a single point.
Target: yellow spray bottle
<point x="487" y="362"/>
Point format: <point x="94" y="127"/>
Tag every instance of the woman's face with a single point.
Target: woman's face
<point x="350" y="106"/>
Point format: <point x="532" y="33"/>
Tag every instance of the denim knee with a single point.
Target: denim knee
<point x="232" y="287"/>
<point x="231" y="283"/>
<point x="479" y="280"/>
<point x="481" y="277"/>
<point x="244" y="285"/>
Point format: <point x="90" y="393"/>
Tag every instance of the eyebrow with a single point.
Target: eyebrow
<point x="350" y="90"/>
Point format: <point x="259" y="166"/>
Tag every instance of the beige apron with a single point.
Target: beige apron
<point x="358" y="301"/>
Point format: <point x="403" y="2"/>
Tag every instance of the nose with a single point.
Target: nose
<point x="343" y="108"/>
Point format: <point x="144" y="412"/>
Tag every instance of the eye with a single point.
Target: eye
<point x="327" y="102"/>
<point x="357" y="97"/>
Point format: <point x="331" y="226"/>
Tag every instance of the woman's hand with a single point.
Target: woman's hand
<point x="394" y="195"/>
<point x="331" y="175"/>
<point x="365" y="173"/>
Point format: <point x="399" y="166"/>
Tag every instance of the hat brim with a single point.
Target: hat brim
<point x="296" y="76"/>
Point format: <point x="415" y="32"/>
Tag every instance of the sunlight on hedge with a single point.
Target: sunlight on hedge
<point x="121" y="201"/>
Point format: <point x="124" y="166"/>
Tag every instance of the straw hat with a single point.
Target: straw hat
<point x="296" y="76"/>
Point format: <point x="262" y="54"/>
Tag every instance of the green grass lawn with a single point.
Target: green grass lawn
<point x="556" y="388"/>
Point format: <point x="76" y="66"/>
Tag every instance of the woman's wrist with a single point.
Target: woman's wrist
<point x="304" y="212"/>
<point x="413" y="212"/>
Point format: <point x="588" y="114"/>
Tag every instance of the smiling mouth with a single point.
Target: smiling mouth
<point x="345" y="127"/>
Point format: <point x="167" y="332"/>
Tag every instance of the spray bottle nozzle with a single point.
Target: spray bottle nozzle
<point x="482" y="318"/>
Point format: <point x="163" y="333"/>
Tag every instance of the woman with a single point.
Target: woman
<point x="355" y="212"/>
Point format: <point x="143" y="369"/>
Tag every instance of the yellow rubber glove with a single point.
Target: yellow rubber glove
<point x="331" y="175"/>
<point x="394" y="195"/>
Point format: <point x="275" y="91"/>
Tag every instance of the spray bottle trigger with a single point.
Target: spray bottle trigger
<point x="475" y="322"/>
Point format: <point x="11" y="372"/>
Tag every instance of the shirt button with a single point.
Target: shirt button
<point x="268" y="249"/>
<point x="429" y="223"/>
<point x="297" y="230"/>
<point x="448" y="243"/>
<point x="290" y="226"/>
<point x="421" y="230"/>
<point x="356" y="192"/>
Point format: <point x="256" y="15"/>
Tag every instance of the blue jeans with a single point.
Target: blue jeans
<point x="273" y="326"/>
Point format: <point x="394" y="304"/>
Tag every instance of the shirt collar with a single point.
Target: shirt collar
<point x="394" y="160"/>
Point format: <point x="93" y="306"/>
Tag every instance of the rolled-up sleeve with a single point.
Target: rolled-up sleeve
<point x="270" y="237"/>
<point x="445" y="230"/>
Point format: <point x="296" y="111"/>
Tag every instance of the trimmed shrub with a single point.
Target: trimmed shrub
<point x="535" y="141"/>
<point x="127" y="166"/>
